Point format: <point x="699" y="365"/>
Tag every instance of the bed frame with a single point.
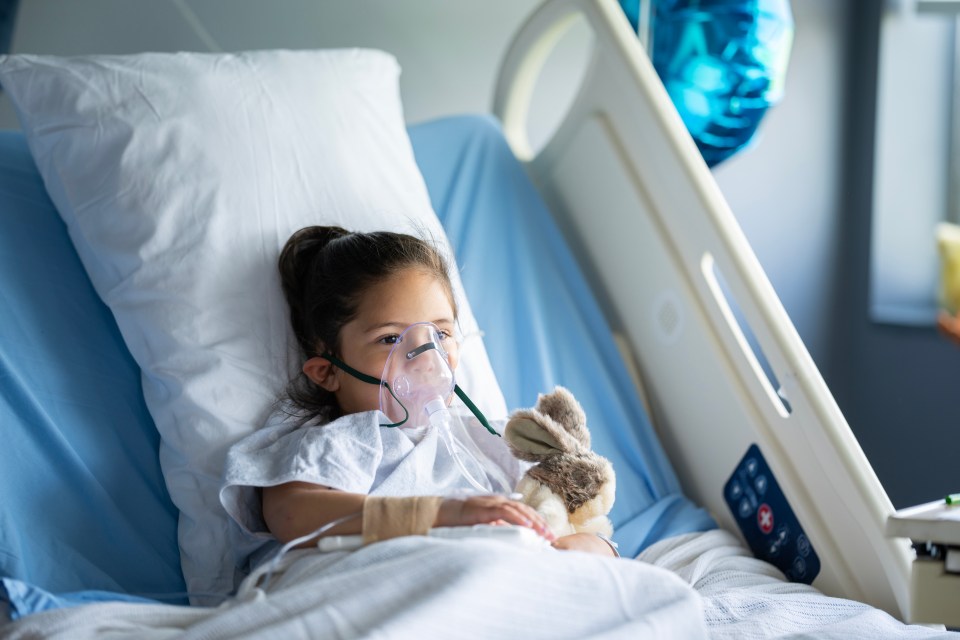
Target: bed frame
<point x="678" y="280"/>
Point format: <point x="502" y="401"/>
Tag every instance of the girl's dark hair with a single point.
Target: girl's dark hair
<point x="325" y="271"/>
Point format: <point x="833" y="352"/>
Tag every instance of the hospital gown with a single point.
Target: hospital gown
<point x="352" y="454"/>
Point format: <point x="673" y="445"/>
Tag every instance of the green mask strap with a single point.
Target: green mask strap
<point x="359" y="375"/>
<point x="406" y="415"/>
<point x="474" y="410"/>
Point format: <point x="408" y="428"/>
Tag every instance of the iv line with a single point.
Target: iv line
<point x="269" y="568"/>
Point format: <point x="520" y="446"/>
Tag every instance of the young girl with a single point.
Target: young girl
<point x="324" y="455"/>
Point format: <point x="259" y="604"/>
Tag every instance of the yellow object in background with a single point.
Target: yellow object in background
<point x="948" y="245"/>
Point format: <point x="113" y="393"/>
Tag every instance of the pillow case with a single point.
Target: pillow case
<point x="180" y="177"/>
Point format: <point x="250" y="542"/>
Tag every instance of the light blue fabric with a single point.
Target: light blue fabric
<point x="82" y="500"/>
<point x="543" y="326"/>
<point x="23" y="599"/>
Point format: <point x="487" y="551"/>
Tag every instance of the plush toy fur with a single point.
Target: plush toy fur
<point x="571" y="486"/>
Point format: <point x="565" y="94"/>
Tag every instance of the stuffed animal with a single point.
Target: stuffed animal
<point x="570" y="486"/>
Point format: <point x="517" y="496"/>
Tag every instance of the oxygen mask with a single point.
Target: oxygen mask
<point x="417" y="380"/>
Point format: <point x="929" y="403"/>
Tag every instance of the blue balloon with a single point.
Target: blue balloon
<point x="723" y="63"/>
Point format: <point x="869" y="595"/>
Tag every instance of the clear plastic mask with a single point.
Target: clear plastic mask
<point x="417" y="378"/>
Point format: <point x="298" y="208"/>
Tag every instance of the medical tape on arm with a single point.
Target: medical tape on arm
<point x="387" y="517"/>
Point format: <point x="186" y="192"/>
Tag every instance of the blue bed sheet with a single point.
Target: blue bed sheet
<point x="542" y="324"/>
<point x="23" y="599"/>
<point x="84" y="505"/>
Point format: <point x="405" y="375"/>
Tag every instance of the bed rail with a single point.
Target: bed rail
<point x="669" y="261"/>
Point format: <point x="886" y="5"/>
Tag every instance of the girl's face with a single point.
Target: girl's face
<point x="386" y="309"/>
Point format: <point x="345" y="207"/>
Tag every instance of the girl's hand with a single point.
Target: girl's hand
<point x="584" y="542"/>
<point x="492" y="509"/>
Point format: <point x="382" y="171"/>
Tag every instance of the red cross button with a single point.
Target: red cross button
<point x="765" y="518"/>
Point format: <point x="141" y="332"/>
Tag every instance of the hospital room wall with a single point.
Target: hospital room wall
<point x="788" y="190"/>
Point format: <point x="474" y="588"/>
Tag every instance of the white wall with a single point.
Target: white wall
<point x="449" y="51"/>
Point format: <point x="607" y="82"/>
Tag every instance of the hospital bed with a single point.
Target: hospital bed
<point x="608" y="262"/>
<point x="668" y="256"/>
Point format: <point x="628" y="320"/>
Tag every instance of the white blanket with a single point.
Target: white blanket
<point x="692" y="586"/>
<point x="747" y="598"/>
<point x="417" y="587"/>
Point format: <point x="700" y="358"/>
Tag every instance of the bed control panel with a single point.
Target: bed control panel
<point x="766" y="520"/>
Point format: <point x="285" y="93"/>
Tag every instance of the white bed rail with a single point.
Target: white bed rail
<point x="665" y="255"/>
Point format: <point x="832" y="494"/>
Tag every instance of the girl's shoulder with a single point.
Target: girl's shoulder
<point x="287" y="429"/>
<point x="287" y="418"/>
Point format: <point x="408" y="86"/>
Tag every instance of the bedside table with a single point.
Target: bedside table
<point x="934" y="529"/>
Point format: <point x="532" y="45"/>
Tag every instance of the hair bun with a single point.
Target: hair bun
<point x="296" y="262"/>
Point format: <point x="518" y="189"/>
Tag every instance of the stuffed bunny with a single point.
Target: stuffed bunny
<point x="570" y="486"/>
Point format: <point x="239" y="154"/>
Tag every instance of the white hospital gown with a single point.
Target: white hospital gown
<point x="353" y="454"/>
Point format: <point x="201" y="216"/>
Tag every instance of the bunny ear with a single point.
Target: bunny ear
<point x="533" y="436"/>
<point x="562" y="407"/>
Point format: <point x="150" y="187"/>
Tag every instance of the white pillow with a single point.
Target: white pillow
<point x="180" y="177"/>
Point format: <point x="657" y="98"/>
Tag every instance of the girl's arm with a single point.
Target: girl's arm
<point x="296" y="509"/>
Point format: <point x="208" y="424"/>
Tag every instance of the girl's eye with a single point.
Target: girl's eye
<point x="444" y="334"/>
<point x="391" y="339"/>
